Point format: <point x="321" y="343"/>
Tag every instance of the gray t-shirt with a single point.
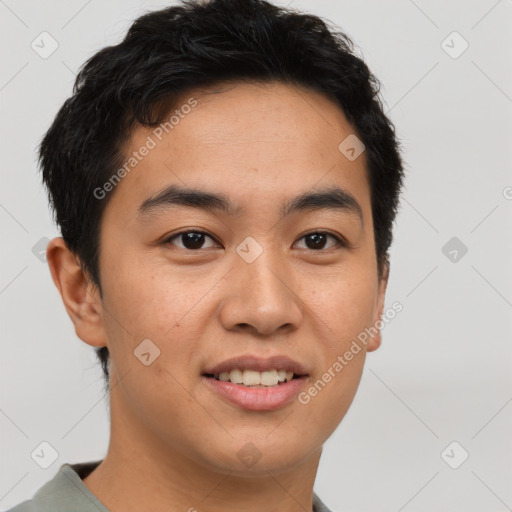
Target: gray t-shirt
<point x="66" y="492"/>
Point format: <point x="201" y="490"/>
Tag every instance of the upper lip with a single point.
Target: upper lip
<point x="261" y="364"/>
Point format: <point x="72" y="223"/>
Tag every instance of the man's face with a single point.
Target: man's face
<point x="257" y="283"/>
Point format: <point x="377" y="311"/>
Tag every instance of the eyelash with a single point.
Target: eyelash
<point x="341" y="243"/>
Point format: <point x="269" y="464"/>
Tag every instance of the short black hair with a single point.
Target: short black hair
<point x="168" y="52"/>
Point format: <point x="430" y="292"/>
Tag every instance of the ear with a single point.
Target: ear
<point x="80" y="296"/>
<point x="375" y="341"/>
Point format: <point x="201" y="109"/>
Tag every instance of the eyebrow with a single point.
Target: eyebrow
<point x="327" y="198"/>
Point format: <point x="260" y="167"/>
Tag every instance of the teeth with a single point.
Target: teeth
<point x="236" y="376"/>
<point x="269" y="378"/>
<point x="252" y="378"/>
<point x="255" y="378"/>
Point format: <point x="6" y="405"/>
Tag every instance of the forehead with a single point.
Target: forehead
<point x="256" y="143"/>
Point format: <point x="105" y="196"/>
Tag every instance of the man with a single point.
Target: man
<point x="225" y="181"/>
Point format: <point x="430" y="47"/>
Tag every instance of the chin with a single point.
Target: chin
<point x="259" y="456"/>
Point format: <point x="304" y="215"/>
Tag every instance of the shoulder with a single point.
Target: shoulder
<point x="65" y="491"/>
<point x="319" y="505"/>
<point x="26" y="506"/>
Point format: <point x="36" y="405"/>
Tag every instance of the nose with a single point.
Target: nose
<point x="261" y="297"/>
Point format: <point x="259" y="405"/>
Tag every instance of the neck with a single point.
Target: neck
<point x="140" y="472"/>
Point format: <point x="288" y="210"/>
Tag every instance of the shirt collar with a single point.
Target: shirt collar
<point x="67" y="486"/>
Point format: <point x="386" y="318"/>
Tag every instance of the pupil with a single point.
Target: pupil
<point x="193" y="240"/>
<point x="318" y="240"/>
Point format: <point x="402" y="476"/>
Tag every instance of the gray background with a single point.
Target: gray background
<point x="443" y="371"/>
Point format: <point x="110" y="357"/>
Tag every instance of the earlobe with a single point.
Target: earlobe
<point x="79" y="295"/>
<point x="375" y="341"/>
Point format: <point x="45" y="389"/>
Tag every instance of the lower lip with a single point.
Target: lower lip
<point x="257" y="399"/>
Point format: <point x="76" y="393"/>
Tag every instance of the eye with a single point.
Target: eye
<point x="191" y="240"/>
<point x="194" y="240"/>
<point x="318" y="239"/>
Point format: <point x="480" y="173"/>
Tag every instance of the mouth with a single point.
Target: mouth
<point x="255" y="379"/>
<point x="257" y="384"/>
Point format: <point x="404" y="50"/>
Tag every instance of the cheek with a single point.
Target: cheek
<point x="145" y="323"/>
<point x="337" y="390"/>
<point x="342" y="307"/>
<point x="345" y="303"/>
<point x="147" y="301"/>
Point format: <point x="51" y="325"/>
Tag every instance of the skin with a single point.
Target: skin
<point x="174" y="443"/>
